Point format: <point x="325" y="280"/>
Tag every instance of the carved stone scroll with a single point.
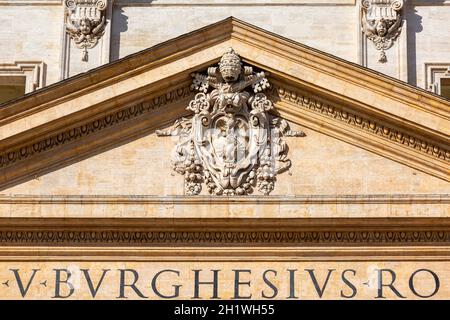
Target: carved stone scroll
<point x="381" y="22"/>
<point x="85" y="22"/>
<point x="231" y="143"/>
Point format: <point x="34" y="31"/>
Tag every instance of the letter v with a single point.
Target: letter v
<point x="23" y="291"/>
<point x="320" y="291"/>
<point x="89" y="281"/>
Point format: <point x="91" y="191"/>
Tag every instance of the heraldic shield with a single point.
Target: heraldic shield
<point x="231" y="143"/>
<point x="230" y="140"/>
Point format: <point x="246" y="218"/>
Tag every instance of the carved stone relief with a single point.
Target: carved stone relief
<point x="85" y="22"/>
<point x="381" y="22"/>
<point x="231" y="143"/>
<point x="50" y="143"/>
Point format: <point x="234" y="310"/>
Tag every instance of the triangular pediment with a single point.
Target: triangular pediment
<point x="127" y="100"/>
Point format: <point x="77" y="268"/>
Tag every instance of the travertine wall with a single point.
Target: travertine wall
<point x="34" y="30"/>
<point x="32" y="33"/>
<point x="310" y="25"/>
<point x="428" y="29"/>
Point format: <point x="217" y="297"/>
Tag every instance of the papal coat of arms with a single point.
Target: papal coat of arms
<point x="232" y="143"/>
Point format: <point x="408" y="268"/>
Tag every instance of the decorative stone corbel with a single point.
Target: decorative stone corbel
<point x="434" y="73"/>
<point x="382" y="23"/>
<point x="85" y="22"/>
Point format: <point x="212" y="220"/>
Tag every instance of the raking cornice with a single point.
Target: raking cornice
<point x="384" y="115"/>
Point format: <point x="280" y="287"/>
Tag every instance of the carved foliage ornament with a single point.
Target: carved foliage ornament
<point x="381" y="22"/>
<point x="231" y="143"/>
<point x="85" y="22"/>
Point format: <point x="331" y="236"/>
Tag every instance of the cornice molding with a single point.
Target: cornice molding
<point x="93" y="132"/>
<point x="171" y="209"/>
<point x="128" y="232"/>
<point x="218" y="32"/>
<point x="212" y="200"/>
<point x="435" y="154"/>
<point x="92" y="126"/>
<point x="136" y="238"/>
<point x="91" y="104"/>
<point x="229" y="238"/>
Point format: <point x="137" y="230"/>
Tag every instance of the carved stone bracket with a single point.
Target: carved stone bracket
<point x="381" y="22"/>
<point x="231" y="143"/>
<point x="85" y="22"/>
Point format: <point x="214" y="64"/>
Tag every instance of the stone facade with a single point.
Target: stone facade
<point x="148" y="170"/>
<point x="131" y="26"/>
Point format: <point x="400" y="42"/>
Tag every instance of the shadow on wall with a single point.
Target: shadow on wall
<point x="414" y="27"/>
<point x="119" y="27"/>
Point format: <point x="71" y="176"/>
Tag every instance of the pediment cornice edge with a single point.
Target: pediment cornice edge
<point x="388" y="137"/>
<point x="285" y="48"/>
<point x="27" y="157"/>
<point x="340" y="121"/>
<point x="224" y="30"/>
<point x="114" y="72"/>
<point x="404" y="140"/>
